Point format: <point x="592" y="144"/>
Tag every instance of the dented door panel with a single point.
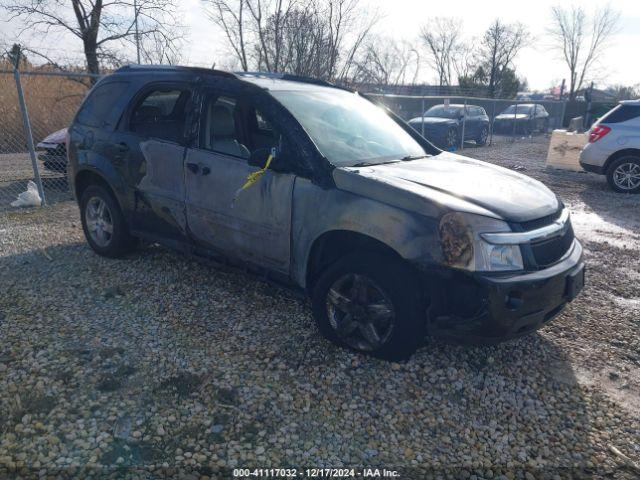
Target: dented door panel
<point x="253" y="228"/>
<point x="154" y="170"/>
<point x="160" y="190"/>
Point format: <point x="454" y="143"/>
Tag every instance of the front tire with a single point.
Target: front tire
<point x="451" y="138"/>
<point x="372" y="304"/>
<point x="484" y="135"/>
<point x="623" y="175"/>
<point x="103" y="223"/>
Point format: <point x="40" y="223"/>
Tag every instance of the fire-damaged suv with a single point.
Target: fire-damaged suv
<point x="318" y="187"/>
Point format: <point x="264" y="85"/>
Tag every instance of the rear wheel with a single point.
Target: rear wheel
<point x="372" y="304"/>
<point x="623" y="174"/>
<point x="103" y="223"/>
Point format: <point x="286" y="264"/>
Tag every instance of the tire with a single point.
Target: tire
<point x="392" y="287"/>
<point x="623" y="175"/>
<point x="484" y="135"/>
<point x="451" y="138"/>
<point x="545" y="126"/>
<point x="114" y="243"/>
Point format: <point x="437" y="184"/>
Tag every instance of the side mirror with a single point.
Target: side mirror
<point x="258" y="158"/>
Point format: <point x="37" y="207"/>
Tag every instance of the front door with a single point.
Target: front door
<point x="253" y="224"/>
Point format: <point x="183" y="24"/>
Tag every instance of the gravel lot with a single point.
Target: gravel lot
<point x="158" y="365"/>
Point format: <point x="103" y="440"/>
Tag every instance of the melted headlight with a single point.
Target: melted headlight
<point x="456" y="239"/>
<point x="463" y="247"/>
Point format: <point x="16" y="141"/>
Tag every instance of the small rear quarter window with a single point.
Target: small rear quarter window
<point x="100" y="104"/>
<point x="621" y="113"/>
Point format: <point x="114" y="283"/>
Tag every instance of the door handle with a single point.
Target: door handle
<point x="194" y="167"/>
<point x="206" y="170"/>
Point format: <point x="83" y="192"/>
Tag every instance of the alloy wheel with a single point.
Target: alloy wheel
<point x="99" y="221"/>
<point x="626" y="176"/>
<point x="484" y="134"/>
<point x="452" y="138"/>
<point x="360" y="312"/>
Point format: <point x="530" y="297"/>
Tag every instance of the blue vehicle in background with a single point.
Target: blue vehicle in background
<point x="443" y="125"/>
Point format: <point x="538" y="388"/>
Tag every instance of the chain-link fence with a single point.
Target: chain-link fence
<point x="487" y="120"/>
<point x="39" y="105"/>
<point x="35" y="110"/>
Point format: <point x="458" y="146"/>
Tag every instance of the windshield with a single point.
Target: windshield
<point x="348" y="129"/>
<point x="520" y="109"/>
<point x="443" y="112"/>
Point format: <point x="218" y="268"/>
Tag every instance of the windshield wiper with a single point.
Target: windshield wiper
<point x="413" y="157"/>
<point x="373" y="164"/>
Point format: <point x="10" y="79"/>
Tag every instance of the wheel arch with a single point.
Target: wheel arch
<point x="334" y="244"/>
<point x="619" y="154"/>
<point x="87" y="177"/>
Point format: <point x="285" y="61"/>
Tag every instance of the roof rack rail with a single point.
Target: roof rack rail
<point x="210" y="71"/>
<point x="286" y="76"/>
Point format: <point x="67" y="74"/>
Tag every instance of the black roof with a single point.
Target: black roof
<point x="266" y="80"/>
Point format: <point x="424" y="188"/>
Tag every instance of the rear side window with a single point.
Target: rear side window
<point x="99" y="107"/>
<point x="161" y="113"/>
<point x="621" y="113"/>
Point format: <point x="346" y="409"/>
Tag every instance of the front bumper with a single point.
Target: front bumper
<point x="490" y="308"/>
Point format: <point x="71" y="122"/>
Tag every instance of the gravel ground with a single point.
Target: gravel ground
<point x="159" y="365"/>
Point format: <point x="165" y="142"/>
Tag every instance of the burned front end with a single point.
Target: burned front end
<point x="505" y="279"/>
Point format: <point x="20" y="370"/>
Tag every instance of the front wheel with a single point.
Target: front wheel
<point x="372" y="304"/>
<point x="623" y="175"/>
<point x="451" y="138"/>
<point x="103" y="223"/>
<point x="482" y="138"/>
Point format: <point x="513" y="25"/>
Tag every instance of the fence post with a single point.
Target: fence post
<point x="422" y="116"/>
<point x="515" y="120"/>
<point x="28" y="134"/>
<point x="493" y="119"/>
<point x="564" y="111"/>
<point x="464" y="123"/>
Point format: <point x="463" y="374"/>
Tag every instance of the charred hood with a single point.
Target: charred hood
<point x="455" y="182"/>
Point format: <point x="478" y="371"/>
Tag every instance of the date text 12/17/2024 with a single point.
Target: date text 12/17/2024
<point x="245" y="473"/>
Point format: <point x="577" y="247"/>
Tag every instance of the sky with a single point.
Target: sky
<point x="402" y="19"/>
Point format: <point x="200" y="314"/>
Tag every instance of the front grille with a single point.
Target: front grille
<point x="548" y="252"/>
<point x="540" y="222"/>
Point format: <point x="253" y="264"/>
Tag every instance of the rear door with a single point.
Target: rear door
<point x="253" y="224"/>
<point x="150" y="147"/>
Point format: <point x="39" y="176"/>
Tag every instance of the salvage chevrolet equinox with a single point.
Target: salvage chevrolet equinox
<point x="320" y="188"/>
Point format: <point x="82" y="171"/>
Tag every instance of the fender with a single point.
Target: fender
<point x="317" y="211"/>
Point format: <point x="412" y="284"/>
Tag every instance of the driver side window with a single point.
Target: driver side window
<point x="221" y="127"/>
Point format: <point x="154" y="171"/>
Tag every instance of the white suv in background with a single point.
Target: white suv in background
<point x="614" y="147"/>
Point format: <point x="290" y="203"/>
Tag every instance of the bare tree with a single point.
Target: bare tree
<point x="441" y="37"/>
<point x="385" y="61"/>
<point x="317" y="37"/>
<point x="161" y="48"/>
<point x="581" y="40"/>
<point x="230" y="16"/>
<point x="499" y="46"/>
<point x="100" y="25"/>
<point x="464" y="58"/>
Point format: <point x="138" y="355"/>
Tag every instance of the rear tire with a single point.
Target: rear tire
<point x="623" y="175"/>
<point x="392" y="306"/>
<point x="103" y="224"/>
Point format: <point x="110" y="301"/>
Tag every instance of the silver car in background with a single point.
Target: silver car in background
<point x="614" y="147"/>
